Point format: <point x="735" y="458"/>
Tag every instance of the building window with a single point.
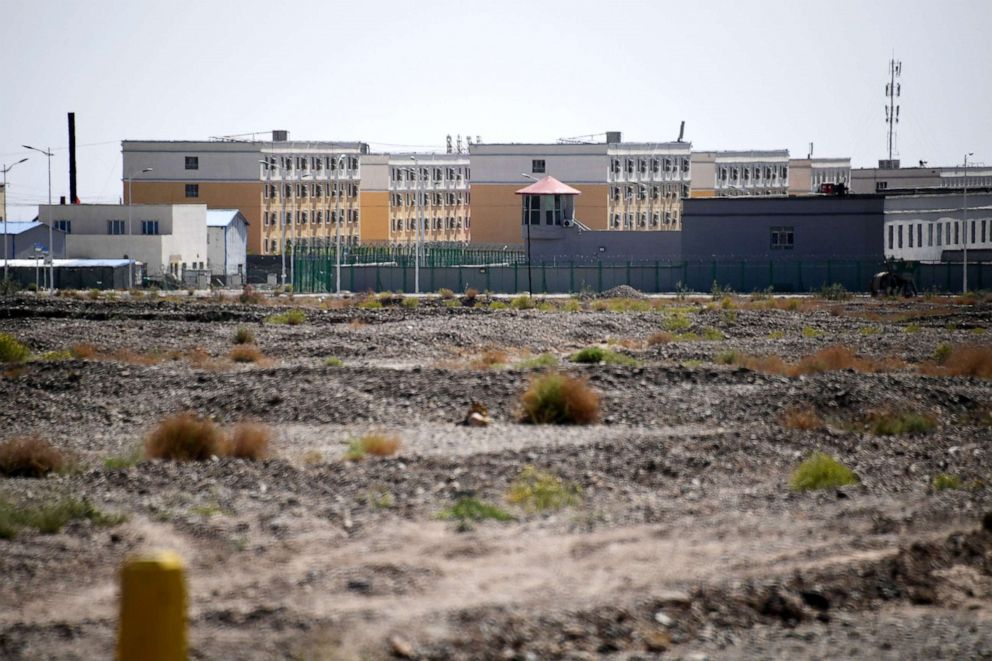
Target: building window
<point x="910" y="237"/>
<point x="972" y="239"/>
<point x="940" y="236"/>
<point x="192" y="190"/>
<point x="919" y="235"/>
<point x="983" y="231"/>
<point x="149" y="227"/>
<point x="115" y="227"/>
<point x="957" y="233"/>
<point x="66" y="226"/>
<point x="192" y="162"/>
<point x="782" y="238"/>
<point x="899" y="237"/>
<point x="881" y="185"/>
<point x="930" y="235"/>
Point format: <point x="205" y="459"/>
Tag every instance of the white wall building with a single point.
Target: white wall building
<point x="167" y="238"/>
<point x="925" y="227"/>
<point x="736" y="173"/>
<point x="227" y="245"/>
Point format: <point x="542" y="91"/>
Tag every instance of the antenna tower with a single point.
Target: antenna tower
<point x="893" y="90"/>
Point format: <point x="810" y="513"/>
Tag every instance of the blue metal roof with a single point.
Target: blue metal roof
<point x="19" y="227"/>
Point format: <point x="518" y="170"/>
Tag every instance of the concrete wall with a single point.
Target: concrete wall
<point x="571" y="244"/>
<point x="218" y="161"/>
<point x="823" y="227"/>
<point x="872" y="180"/>
<point x="571" y="164"/>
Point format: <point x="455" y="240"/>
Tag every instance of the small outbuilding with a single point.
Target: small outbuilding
<point x="29" y="240"/>
<point x="227" y="246"/>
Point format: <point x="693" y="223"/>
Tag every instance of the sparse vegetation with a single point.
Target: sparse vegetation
<point x="713" y="334"/>
<point x="944" y="481"/>
<point x="498" y="305"/>
<point x="572" y="305"/>
<point x="293" y="317"/>
<point x="471" y="294"/>
<point x="561" y="400"/>
<point x="125" y="461"/>
<point x="661" y="337"/>
<point x="810" y="332"/>
<point x="540" y="361"/>
<point x="185" y="437"/>
<point x="244" y="335"/>
<point x="966" y="360"/>
<point x="802" y="418"/>
<point x="29" y="456"/>
<point x="12" y="351"/>
<point x="333" y="361"/>
<point x="834" y="292"/>
<point x="523" y="302"/>
<point x="245" y="353"/>
<point x="54" y="356"/>
<point x="249" y="441"/>
<point x="82" y="351"/>
<point x="900" y="423"/>
<point x="370" y="303"/>
<point x="599" y="355"/>
<point x="472" y="510"/>
<point x="378" y="445"/>
<point x="490" y="357"/>
<point x="677" y="323"/>
<point x="535" y="490"/>
<point x="821" y="471"/>
<point x="409" y="302"/>
<point x="50" y="518"/>
<point x="249" y="296"/>
<point x="445" y="294"/>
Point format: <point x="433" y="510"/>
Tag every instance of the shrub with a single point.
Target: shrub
<point x="82" y="351"/>
<point x="51" y="517"/>
<point x="888" y="423"/>
<point x="249" y="441"/>
<point x="543" y="360"/>
<point x="451" y="303"/>
<point x="809" y="331"/>
<point x="661" y="337"/>
<point x="185" y="437"/>
<point x="333" y="361"/>
<point x="728" y="357"/>
<point x="245" y="353"/>
<point x="969" y="360"/>
<point x="244" y="335"/>
<point x="943" y="481"/>
<point x="29" y="456"/>
<point x="121" y="462"/>
<point x="942" y="352"/>
<point x="370" y="304"/>
<point x="677" y="324"/>
<point x="93" y="294"/>
<point x="379" y="445"/>
<point x="470" y="295"/>
<point x="559" y="400"/>
<point x="56" y="355"/>
<point x="293" y="317"/>
<point x="12" y="351"/>
<point x="445" y="293"/>
<point x="776" y="335"/>
<point x="713" y="334"/>
<point x="410" y="302"/>
<point x="804" y="418"/>
<point x="821" y="471"/>
<point x="597" y="355"/>
<point x="834" y="292"/>
<point x="498" y="305"/>
<point x="474" y="510"/>
<point x="491" y="357"/>
<point x="538" y="491"/>
<point x="523" y="302"/>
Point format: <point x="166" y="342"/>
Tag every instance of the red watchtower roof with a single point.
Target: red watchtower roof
<point x="548" y="186"/>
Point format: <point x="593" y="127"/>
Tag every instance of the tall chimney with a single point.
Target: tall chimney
<point x="72" y="159"/>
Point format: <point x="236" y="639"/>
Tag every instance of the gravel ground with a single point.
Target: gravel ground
<point x="687" y="541"/>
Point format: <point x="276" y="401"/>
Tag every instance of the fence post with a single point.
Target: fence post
<point x="685" y="274"/>
<point x="516" y="285"/>
<point x="599" y="274"/>
<point x="571" y="276"/>
<point x="152" y="623"/>
<point x="657" y="277"/>
<point x="628" y="273"/>
<point x="351" y="272"/>
<point x="771" y="274"/>
<point x="830" y="273"/>
<point x="857" y="274"/>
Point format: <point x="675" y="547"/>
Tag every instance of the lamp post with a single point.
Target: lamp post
<point x="964" y="264"/>
<point x="6" y="169"/>
<point x="51" y="249"/>
<point x="130" y="228"/>
<point x="417" y="220"/>
<point x="337" y="222"/>
<point x="530" y="280"/>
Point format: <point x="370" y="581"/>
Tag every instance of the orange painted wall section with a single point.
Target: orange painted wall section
<point x="244" y="196"/>
<point x="496" y="211"/>
<point x="374" y="221"/>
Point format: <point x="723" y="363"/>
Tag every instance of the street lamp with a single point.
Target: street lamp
<point x="6" y="169"/>
<point x="51" y="248"/>
<point x="337" y="222"/>
<point x="964" y="267"/>
<point x="130" y="229"/>
<point x="530" y="281"/>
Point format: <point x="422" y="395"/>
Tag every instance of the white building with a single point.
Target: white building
<point x="167" y="238"/>
<point x="227" y="245"/>
<point x="736" y="173"/>
<point x="936" y="227"/>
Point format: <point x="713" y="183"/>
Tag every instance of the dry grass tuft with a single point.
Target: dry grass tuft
<point x="29" y="456"/>
<point x="660" y="337"/>
<point x="490" y="357"/>
<point x="83" y="351"/>
<point x="249" y="441"/>
<point x="804" y="418"/>
<point x="185" y="437"/>
<point x="557" y="399"/>
<point x="377" y="445"/>
<point x="828" y="359"/>
<point x="12" y="351"/>
<point x="245" y="353"/>
<point x="969" y="360"/>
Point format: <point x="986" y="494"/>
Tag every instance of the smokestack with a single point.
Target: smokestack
<point x="72" y="158"/>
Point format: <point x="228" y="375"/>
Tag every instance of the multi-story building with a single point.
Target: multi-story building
<point x="807" y="175"/>
<point x="737" y="173"/>
<point x="890" y="176"/>
<point x="633" y="186"/>
<point x="230" y="174"/>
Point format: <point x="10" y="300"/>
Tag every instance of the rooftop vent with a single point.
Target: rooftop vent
<point x="280" y="136"/>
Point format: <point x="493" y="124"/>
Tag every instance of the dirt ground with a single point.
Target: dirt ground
<point x="686" y="540"/>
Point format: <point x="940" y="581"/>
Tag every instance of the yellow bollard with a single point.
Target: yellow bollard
<point x="153" y="609"/>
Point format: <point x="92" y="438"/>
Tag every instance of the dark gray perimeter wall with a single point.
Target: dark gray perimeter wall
<point x="589" y="246"/>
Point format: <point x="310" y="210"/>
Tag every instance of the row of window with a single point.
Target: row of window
<point x="415" y="174"/>
<point x="272" y="245"/>
<point x="117" y="227"/>
<point x="656" y="219"/>
<point x="428" y="199"/>
<point x="642" y="192"/>
<point x="304" y="190"/>
<point x="668" y="164"/>
<point x="302" y="217"/>
<point x="774" y="174"/>
<point x="940" y="233"/>
<point x="311" y="163"/>
<point x="448" y="223"/>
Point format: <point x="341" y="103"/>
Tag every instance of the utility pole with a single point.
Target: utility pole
<point x="6" y="169"/>
<point x="130" y="229"/>
<point x="893" y="90"/>
<point x="51" y="247"/>
<point x="964" y="265"/>
<point x="337" y="222"/>
<point x="416" y="215"/>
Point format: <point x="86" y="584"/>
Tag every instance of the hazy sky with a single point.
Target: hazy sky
<point x="756" y="74"/>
